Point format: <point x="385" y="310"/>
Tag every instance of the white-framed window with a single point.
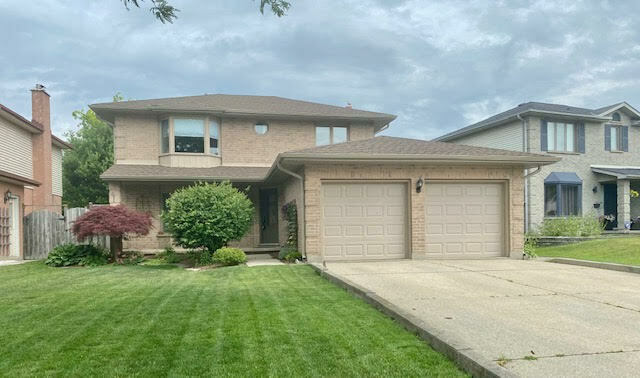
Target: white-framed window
<point x="214" y="137"/>
<point x="188" y="135"/>
<point x="164" y="127"/>
<point x="562" y="200"/>
<point x="615" y="138"/>
<point x="331" y="135"/>
<point x="261" y="128"/>
<point x="561" y="137"/>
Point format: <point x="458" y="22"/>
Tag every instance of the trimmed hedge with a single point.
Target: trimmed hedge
<point x="229" y="256"/>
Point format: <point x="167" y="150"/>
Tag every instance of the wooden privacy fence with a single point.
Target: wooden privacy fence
<point x="44" y="230"/>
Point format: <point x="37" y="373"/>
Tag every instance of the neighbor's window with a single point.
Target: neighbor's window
<point x="331" y="135"/>
<point x="616" y="117"/>
<point x="561" y="137"/>
<point x="261" y="128"/>
<point x="164" y="126"/>
<point x="561" y="200"/>
<point x="189" y="135"/>
<point x="214" y="137"/>
<point x="615" y="139"/>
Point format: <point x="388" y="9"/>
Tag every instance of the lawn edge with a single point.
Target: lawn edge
<point x="596" y="264"/>
<point x="465" y="358"/>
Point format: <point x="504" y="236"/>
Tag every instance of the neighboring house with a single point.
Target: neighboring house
<point x="358" y="197"/>
<point x="600" y="151"/>
<point x="30" y="169"/>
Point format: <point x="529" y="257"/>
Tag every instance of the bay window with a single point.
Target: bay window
<point x="165" y="135"/>
<point x="562" y="195"/>
<point x="214" y="137"/>
<point x="188" y="135"/>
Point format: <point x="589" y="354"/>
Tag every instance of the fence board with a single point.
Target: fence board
<point x="45" y="230"/>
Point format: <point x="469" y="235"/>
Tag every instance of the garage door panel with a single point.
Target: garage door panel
<point x="464" y="219"/>
<point x="371" y="223"/>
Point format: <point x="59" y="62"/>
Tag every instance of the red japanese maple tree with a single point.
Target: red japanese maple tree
<point x="113" y="221"/>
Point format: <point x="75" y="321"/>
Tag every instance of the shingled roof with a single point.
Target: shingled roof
<point x="127" y="172"/>
<point x="241" y="105"/>
<point x="394" y="148"/>
<point x="526" y="108"/>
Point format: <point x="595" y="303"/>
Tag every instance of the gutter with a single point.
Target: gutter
<point x="441" y="158"/>
<point x="526" y="173"/>
<point x="301" y="212"/>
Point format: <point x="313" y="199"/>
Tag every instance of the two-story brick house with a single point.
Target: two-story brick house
<point x="599" y="150"/>
<point x="30" y="169"/>
<point x="358" y="196"/>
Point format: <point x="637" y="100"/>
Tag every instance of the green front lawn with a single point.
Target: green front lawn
<point x="166" y="321"/>
<point x="622" y="250"/>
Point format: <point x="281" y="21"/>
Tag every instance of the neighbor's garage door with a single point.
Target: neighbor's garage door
<point x="464" y="219"/>
<point x="364" y="220"/>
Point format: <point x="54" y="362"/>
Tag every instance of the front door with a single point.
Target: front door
<point x="611" y="204"/>
<point x="268" y="216"/>
<point x="15" y="222"/>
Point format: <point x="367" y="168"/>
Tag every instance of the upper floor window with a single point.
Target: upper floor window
<point x="561" y="137"/>
<point x="616" y="138"/>
<point x="214" y="137"/>
<point x="261" y="128"/>
<point x="616" y="117"/>
<point x="188" y="135"/>
<point x="165" y="135"/>
<point x="331" y="135"/>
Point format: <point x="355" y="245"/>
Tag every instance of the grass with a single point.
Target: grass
<point x="622" y="250"/>
<point x="166" y="321"/>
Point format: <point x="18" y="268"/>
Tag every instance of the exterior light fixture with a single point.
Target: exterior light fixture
<point x="595" y="189"/>
<point x="7" y="196"/>
<point x="419" y="185"/>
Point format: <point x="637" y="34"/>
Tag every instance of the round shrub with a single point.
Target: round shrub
<point x="229" y="256"/>
<point x="208" y="216"/>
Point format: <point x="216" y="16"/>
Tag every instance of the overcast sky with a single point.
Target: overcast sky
<point x="437" y="65"/>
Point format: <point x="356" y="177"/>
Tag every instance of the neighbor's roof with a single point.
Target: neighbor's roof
<point x="385" y="148"/>
<point x="530" y="108"/>
<point x="21" y="180"/>
<point x="126" y="172"/>
<point x="241" y="105"/>
<point x="33" y="127"/>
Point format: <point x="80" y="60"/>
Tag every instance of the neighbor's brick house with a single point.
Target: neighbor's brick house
<point x="30" y="169"/>
<point x="358" y="196"/>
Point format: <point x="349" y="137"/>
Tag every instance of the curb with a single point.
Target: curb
<point x="465" y="358"/>
<point x="598" y="265"/>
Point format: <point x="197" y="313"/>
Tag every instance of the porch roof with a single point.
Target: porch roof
<point x="130" y="172"/>
<point x="618" y="172"/>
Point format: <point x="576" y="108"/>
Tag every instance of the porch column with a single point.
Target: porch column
<point x="624" y="203"/>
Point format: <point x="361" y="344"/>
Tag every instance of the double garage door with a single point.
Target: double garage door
<point x="368" y="221"/>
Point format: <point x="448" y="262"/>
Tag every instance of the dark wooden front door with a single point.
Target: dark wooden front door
<point x="268" y="216"/>
<point x="611" y="204"/>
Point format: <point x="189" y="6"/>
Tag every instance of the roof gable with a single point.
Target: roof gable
<point x="628" y="109"/>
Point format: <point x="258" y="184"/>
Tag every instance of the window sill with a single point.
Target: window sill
<point x="564" y="152"/>
<point x="188" y="154"/>
<point x="617" y="152"/>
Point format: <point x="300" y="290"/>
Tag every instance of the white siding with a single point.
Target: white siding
<point x="506" y="137"/>
<point x="15" y="150"/>
<point x="56" y="171"/>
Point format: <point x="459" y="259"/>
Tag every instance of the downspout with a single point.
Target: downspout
<point x="525" y="148"/>
<point x="301" y="233"/>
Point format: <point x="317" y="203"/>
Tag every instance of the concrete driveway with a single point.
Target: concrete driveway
<point x="535" y="318"/>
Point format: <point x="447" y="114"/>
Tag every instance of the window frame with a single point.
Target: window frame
<point x="560" y="206"/>
<point x="206" y="136"/>
<point x="613" y="117"/>
<point x="331" y="134"/>
<point x="168" y="120"/>
<point x="552" y="137"/>
<point x="265" y="124"/>
<point x="618" y="143"/>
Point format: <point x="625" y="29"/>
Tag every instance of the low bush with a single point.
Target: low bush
<point x="71" y="254"/>
<point x="200" y="257"/>
<point x="572" y="226"/>
<point x="131" y="257"/>
<point x="530" y="244"/>
<point x="229" y="256"/>
<point x="170" y="256"/>
<point x="289" y="254"/>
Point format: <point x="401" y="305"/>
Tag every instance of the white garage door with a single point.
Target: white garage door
<point x="464" y="219"/>
<point x="364" y="221"/>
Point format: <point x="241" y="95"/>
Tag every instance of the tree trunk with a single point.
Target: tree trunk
<point x="116" y="248"/>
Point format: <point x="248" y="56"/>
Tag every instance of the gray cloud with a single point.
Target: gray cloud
<point x="437" y="65"/>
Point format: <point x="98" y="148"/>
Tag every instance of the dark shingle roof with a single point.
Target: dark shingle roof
<point x="126" y="172"/>
<point x="540" y="107"/>
<point x="241" y="105"/>
<point x="621" y="172"/>
<point x="386" y="146"/>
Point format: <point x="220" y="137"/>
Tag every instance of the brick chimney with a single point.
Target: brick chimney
<point x="41" y="116"/>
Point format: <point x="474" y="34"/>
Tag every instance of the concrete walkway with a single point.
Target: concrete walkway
<point x="258" y="259"/>
<point x="537" y="319"/>
<point x="12" y="262"/>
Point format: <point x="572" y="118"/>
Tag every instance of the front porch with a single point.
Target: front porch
<point x="620" y="186"/>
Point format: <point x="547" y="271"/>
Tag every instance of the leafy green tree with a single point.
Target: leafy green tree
<point x="208" y="216"/>
<point x="165" y="12"/>
<point x="91" y="155"/>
